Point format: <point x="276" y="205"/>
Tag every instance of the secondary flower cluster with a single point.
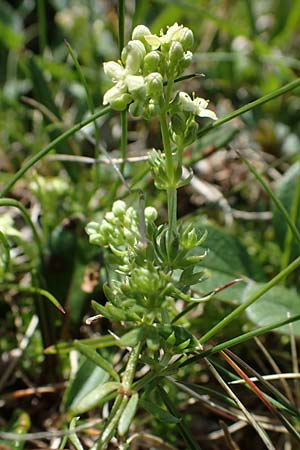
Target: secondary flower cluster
<point x="120" y="228"/>
<point x="146" y="62"/>
<point x="145" y="281"/>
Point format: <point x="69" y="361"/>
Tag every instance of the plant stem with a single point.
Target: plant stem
<point x="122" y="400"/>
<point x="171" y="191"/>
<point x="167" y="146"/>
<point x="6" y="253"/>
<point x="172" y="211"/>
<point x="288" y="242"/>
<point x="124" y="118"/>
<point x="17" y="204"/>
<point x="236" y="312"/>
<point x="238" y="112"/>
<point x="129" y="373"/>
<point x="109" y="430"/>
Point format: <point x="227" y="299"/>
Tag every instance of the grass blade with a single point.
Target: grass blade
<point x="50" y="146"/>
<point x="236" y="312"/>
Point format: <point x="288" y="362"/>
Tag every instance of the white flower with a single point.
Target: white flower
<point x="114" y="71"/>
<point x="196" y="106"/>
<point x="117" y="97"/>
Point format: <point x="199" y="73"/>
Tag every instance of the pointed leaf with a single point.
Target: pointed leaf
<point x="94" y="356"/>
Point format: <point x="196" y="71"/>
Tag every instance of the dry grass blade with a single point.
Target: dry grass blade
<point x="250" y="383"/>
<point x="231" y="444"/>
<point x="275" y="367"/>
<point x="250" y="418"/>
<point x="295" y="365"/>
<point x="278" y="414"/>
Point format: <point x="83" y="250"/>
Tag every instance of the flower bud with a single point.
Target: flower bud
<point x="187" y="59"/>
<point x="106" y="228"/>
<point x="190" y="135"/>
<point x="119" y="208"/>
<point x="176" y="56"/>
<point x="151" y="62"/>
<point x="110" y="217"/>
<point x="154" y="85"/>
<point x="132" y="56"/>
<point x="185" y="37"/>
<point x="178" y="123"/>
<point x="92" y="228"/>
<point x="151" y="109"/>
<point x="150" y="214"/>
<point x="139" y="32"/>
<point x="136" y="109"/>
<point x="117" y="97"/>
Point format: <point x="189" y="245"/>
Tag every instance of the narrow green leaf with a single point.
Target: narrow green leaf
<point x="4" y="255"/>
<point x="93" y="398"/>
<point x="101" y="342"/>
<point x="128" y="414"/>
<point x="160" y="414"/>
<point x="73" y="437"/>
<point x="92" y="355"/>
<point x="185" y="432"/>
<point x="37" y="291"/>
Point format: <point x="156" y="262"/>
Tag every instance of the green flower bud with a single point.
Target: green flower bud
<point x="106" y="227"/>
<point x="94" y="232"/>
<point x="176" y="55"/>
<point x="151" y="62"/>
<point x="129" y="236"/>
<point x="178" y="123"/>
<point x="187" y="59"/>
<point x="185" y="37"/>
<point x="133" y="55"/>
<point x="119" y="208"/>
<point x="139" y="32"/>
<point x="110" y="217"/>
<point x="150" y="214"/>
<point x="154" y="85"/>
<point x="136" y="109"/>
<point x="171" y="339"/>
<point x="191" y="132"/>
<point x="151" y="109"/>
<point x="117" y="97"/>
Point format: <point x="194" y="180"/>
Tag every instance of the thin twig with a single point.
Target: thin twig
<point x="276" y="369"/>
<point x="46" y="434"/>
<point x="16" y="355"/>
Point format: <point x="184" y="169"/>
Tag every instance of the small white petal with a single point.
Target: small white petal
<point x="153" y="40"/>
<point x="113" y="70"/>
<point x="134" y="82"/>
<point x="208" y="113"/>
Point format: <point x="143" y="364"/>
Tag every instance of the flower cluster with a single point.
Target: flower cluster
<point x="120" y="228"/>
<point x="146" y="62"/>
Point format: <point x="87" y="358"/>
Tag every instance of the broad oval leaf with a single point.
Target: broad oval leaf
<point x="286" y="191"/>
<point x="273" y="306"/>
<point x="87" y="378"/>
<point x="93" y="398"/>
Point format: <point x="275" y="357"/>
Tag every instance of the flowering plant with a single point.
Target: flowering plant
<point x="152" y="266"/>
